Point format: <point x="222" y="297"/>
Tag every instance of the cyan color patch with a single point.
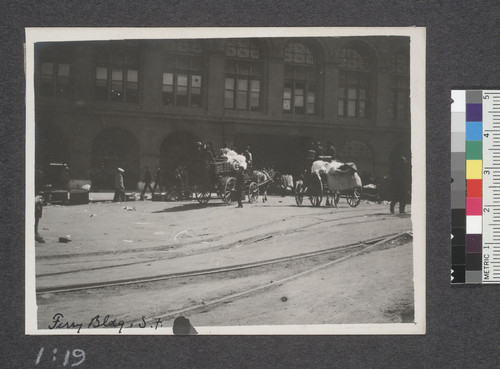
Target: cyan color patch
<point x="474" y="131"/>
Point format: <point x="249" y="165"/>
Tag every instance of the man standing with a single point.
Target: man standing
<point x="119" y="187"/>
<point x="240" y="187"/>
<point x="249" y="159"/>
<point x="147" y="182"/>
<point x="401" y="181"/>
<point x="158" y="179"/>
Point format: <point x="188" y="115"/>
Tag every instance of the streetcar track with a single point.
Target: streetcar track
<point x="177" y="245"/>
<point x="173" y="255"/>
<point x="234" y="296"/>
<point x="210" y="271"/>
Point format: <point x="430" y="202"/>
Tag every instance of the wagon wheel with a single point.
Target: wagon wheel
<point x="253" y="192"/>
<point x="229" y="189"/>
<point x="202" y="193"/>
<point x="354" y="198"/>
<point x="299" y="193"/>
<point x="316" y="191"/>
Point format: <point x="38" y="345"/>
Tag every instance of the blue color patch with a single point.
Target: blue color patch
<point x="474" y="131"/>
<point x="474" y="112"/>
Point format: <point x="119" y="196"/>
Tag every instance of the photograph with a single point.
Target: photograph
<point x="227" y="181"/>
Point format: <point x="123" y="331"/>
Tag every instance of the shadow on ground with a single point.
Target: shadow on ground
<point x="192" y="206"/>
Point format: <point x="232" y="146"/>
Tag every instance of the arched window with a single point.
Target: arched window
<point x="400" y="87"/>
<point x="354" y="86"/>
<point x="183" y="74"/>
<point x="301" y="80"/>
<point x="243" y="75"/>
<point x="117" y="74"/>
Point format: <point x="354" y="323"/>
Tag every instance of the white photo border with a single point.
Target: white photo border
<point x="417" y="37"/>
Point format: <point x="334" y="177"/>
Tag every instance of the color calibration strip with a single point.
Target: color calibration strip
<point x="475" y="187"/>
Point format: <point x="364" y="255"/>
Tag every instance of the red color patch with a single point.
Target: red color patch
<point x="474" y="188"/>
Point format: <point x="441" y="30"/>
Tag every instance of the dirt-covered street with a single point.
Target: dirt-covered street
<point x="269" y="263"/>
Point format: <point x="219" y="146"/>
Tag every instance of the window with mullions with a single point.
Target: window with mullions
<point x="55" y="78"/>
<point x="354" y="84"/>
<point x="301" y="80"/>
<point x="117" y="78"/>
<point x="400" y="87"/>
<point x="183" y="74"/>
<point x="243" y="75"/>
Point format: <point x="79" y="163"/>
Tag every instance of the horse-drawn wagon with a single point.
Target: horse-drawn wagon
<point x="221" y="180"/>
<point x="331" y="180"/>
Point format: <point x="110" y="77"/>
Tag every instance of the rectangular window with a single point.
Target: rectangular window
<point x="55" y="79"/>
<point x="132" y="86"/>
<point x="242" y="94"/>
<point x="47" y="80"/>
<point x="116" y="84"/>
<point x="401" y="98"/>
<point x="182" y="90"/>
<point x="242" y="85"/>
<point x="196" y="90"/>
<point x="102" y="83"/>
<point x="168" y="88"/>
<point x="182" y="84"/>
<point x="229" y="93"/>
<point x="117" y="77"/>
<point x="352" y="95"/>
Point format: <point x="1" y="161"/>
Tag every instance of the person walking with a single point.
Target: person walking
<point x="119" y="187"/>
<point x="147" y="182"/>
<point x="240" y="187"/>
<point x="158" y="180"/>
<point x="401" y="181"/>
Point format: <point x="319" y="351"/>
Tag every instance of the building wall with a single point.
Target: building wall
<point x="146" y="125"/>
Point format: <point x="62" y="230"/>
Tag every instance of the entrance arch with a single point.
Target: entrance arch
<point x="113" y="148"/>
<point x="51" y="146"/>
<point x="177" y="149"/>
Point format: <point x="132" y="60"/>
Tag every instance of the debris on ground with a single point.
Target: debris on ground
<point x="65" y="239"/>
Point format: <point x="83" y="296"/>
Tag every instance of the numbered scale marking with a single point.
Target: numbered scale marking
<point x="491" y="187"/>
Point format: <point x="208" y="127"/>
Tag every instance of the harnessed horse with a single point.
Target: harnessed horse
<point x="263" y="179"/>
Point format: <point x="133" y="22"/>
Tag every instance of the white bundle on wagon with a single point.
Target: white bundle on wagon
<point x="339" y="176"/>
<point x="235" y="160"/>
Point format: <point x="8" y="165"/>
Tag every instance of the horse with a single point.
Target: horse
<point x="263" y="179"/>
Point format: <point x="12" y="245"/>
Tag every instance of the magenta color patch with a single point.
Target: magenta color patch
<point x="474" y="206"/>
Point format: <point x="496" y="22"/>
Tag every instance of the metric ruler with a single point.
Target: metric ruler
<point x="475" y="187"/>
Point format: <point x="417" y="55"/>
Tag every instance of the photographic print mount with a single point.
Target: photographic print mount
<point x="257" y="93"/>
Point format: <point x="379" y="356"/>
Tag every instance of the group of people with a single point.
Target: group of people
<point x="199" y="170"/>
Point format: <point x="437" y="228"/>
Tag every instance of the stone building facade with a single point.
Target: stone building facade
<point x="138" y="103"/>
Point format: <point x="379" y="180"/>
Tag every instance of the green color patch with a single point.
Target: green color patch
<point x="474" y="150"/>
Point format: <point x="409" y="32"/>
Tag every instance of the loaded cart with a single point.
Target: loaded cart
<point x="221" y="179"/>
<point x="331" y="180"/>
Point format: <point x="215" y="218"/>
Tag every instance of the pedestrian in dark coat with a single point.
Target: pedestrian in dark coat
<point x="147" y="182"/>
<point x="158" y="180"/>
<point x="401" y="182"/>
<point x="119" y="186"/>
<point x="240" y="187"/>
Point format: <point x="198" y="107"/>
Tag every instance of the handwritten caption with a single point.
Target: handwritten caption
<point x="58" y="322"/>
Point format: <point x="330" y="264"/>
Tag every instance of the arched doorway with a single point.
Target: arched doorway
<point x="359" y="153"/>
<point x="113" y="148"/>
<point x="177" y="149"/>
<point x="51" y="146"/>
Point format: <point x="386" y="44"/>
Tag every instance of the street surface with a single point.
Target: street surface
<point x="119" y="243"/>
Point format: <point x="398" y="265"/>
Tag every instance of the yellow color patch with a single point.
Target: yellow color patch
<point x="474" y="169"/>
